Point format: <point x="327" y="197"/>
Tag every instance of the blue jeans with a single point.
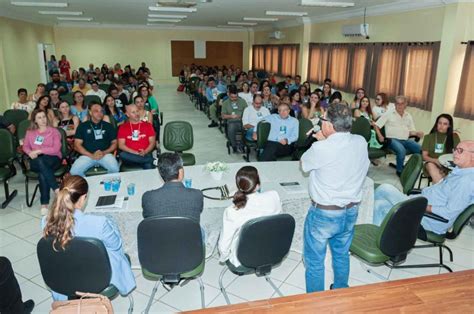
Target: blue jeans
<point x="321" y="227"/>
<point x="386" y="196"/>
<point x="44" y="166"/>
<point x="401" y="148"/>
<point x="249" y="134"/>
<point x="84" y="163"/>
<point x="146" y="162"/>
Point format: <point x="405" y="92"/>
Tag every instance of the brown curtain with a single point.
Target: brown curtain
<point x="271" y="58"/>
<point x="465" y="101"/>
<point x="318" y="62"/>
<point x="359" y="66"/>
<point x="420" y="72"/>
<point x="339" y="65"/>
<point x="289" y="60"/>
<point x="258" y="57"/>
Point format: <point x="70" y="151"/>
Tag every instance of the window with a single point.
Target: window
<point x="258" y="58"/>
<point x="465" y="101"/>
<point x="277" y="59"/>
<point x="289" y="60"/>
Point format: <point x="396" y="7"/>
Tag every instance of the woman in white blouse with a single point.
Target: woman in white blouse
<point x="249" y="203"/>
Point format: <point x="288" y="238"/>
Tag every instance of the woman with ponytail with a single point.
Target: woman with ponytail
<point x="249" y="203"/>
<point x="66" y="220"/>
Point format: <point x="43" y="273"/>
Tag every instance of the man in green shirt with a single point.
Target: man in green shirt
<point x="232" y="111"/>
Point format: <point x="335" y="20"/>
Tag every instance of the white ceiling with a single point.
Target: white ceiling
<point x="133" y="13"/>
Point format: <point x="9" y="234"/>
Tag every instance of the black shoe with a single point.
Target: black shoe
<point x="399" y="174"/>
<point x="331" y="287"/>
<point x="213" y="125"/>
<point x="28" y="306"/>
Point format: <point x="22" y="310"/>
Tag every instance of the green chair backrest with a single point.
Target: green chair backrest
<point x="304" y="126"/>
<point x="263" y="130"/>
<point x="7" y="153"/>
<point x="22" y="128"/>
<point x="64" y="145"/>
<point x="178" y="136"/>
<point x="90" y="98"/>
<point x="410" y="172"/>
<point x="460" y="222"/>
<point x="361" y="126"/>
<point x="194" y="83"/>
<point x="15" y="116"/>
<point x="68" y="97"/>
<point x="104" y="87"/>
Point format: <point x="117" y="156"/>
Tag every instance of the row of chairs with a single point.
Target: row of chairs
<point x="263" y="244"/>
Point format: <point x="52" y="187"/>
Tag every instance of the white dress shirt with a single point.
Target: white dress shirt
<point x="99" y="93"/>
<point x="396" y="126"/>
<point x="252" y="116"/>
<point x="248" y="97"/>
<point x="338" y="166"/>
<point x="258" y="205"/>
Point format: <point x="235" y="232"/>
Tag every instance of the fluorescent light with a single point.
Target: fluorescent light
<point x="171" y="9"/>
<point x="69" y="23"/>
<point x="242" y="23"/>
<point x="64" y="18"/>
<point x="164" y="16"/>
<point x="316" y="3"/>
<point x="285" y="13"/>
<point x="230" y="26"/>
<point x="159" y="24"/>
<point x="164" y="20"/>
<point x="60" y="12"/>
<point x="261" y="19"/>
<point x="40" y="4"/>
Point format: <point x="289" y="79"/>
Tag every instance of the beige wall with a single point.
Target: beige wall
<point x="132" y="46"/>
<point x="19" y="66"/>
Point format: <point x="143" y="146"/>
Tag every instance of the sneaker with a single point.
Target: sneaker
<point x="44" y="211"/>
<point x="28" y="306"/>
<point x="213" y="125"/>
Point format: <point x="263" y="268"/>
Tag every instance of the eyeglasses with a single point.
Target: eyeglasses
<point x="461" y="150"/>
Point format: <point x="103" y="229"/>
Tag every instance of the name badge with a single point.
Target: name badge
<point x="118" y="103"/>
<point x="439" y="148"/>
<point x="283" y="129"/>
<point x="234" y="106"/>
<point x="259" y="114"/>
<point x="135" y="135"/>
<point x="39" y="140"/>
<point x="98" y="134"/>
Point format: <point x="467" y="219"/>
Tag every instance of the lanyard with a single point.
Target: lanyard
<point x="139" y="125"/>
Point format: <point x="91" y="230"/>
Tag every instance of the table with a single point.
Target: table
<point x="447" y="161"/>
<point x="446" y="293"/>
<point x="271" y="174"/>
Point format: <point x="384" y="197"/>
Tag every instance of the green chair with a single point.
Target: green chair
<point x="263" y="130"/>
<point x="438" y="240"/>
<point x="390" y="243"/>
<point x="7" y="168"/>
<point x="361" y="126"/>
<point x="15" y="116"/>
<point x="104" y="87"/>
<point x="69" y="98"/>
<point x="178" y="257"/>
<point x="178" y="137"/>
<point x="301" y="144"/>
<point x="410" y="173"/>
<point x="22" y="128"/>
<point x="89" y="98"/>
<point x="58" y="173"/>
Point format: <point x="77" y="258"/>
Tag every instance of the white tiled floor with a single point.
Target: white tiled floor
<point x="20" y="231"/>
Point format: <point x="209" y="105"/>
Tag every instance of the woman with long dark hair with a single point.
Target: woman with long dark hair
<point x="440" y="141"/>
<point x="79" y="108"/>
<point x="360" y="93"/>
<point x="44" y="103"/>
<point x="111" y="110"/>
<point x="66" y="220"/>
<point x="364" y="110"/>
<point x="248" y="203"/>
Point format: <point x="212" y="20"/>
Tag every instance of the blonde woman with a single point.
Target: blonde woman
<point x="67" y="220"/>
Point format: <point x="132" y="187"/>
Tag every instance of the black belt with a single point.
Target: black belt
<point x="334" y="207"/>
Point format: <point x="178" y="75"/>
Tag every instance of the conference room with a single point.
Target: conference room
<point x="236" y="156"/>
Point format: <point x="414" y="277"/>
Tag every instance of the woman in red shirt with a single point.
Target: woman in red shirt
<point x="64" y="67"/>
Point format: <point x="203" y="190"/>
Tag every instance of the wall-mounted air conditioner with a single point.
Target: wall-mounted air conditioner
<point x="276" y="35"/>
<point x="355" y="30"/>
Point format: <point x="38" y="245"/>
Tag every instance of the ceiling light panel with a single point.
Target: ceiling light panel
<point x="261" y="19"/>
<point x="316" y="3"/>
<point x="61" y="12"/>
<point x="242" y="23"/>
<point x="164" y="20"/>
<point x="230" y="26"/>
<point x="165" y="16"/>
<point x="65" y="18"/>
<point x="171" y="9"/>
<point x="40" y="4"/>
<point x="285" y="13"/>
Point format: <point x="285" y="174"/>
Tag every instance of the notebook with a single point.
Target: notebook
<point x="110" y="201"/>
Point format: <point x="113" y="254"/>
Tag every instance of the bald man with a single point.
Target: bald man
<point x="448" y="198"/>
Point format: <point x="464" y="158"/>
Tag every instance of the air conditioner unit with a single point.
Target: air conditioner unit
<point x="276" y="35"/>
<point x="355" y="30"/>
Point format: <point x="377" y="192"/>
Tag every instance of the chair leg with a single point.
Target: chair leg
<point x="130" y="308"/>
<point x="150" y="301"/>
<point x="439" y="265"/>
<point x="8" y="197"/>
<point x="221" y="286"/>
<point x="449" y="251"/>
<point x="273" y="286"/>
<point x="29" y="202"/>
<point x="201" y="287"/>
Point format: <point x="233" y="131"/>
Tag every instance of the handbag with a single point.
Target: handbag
<point x="88" y="303"/>
<point x="180" y="88"/>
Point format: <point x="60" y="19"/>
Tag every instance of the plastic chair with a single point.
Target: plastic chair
<point x="178" y="137"/>
<point x="7" y="168"/>
<point x="15" y="116"/>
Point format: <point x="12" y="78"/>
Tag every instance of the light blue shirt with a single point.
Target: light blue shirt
<point x="449" y="198"/>
<point x="221" y="87"/>
<point x="211" y="94"/>
<point x="293" y="87"/>
<point x="81" y="115"/>
<point x="282" y="128"/>
<point x="100" y="227"/>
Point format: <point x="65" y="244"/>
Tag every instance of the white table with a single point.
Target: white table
<point x="271" y="174"/>
<point x="446" y="160"/>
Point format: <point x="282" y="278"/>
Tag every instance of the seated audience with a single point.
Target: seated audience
<point x="95" y="91"/>
<point x="296" y="85"/>
<point x="245" y="93"/>
<point x="121" y="90"/>
<point x="82" y="87"/>
<point x="67" y="220"/>
<point x="312" y="110"/>
<point x="232" y="110"/>
<point x="66" y="120"/>
<point x="211" y="94"/>
<point x="172" y="199"/>
<point x="440" y="141"/>
<point x="448" y="198"/>
<point x="79" y="107"/>
<point x="304" y="96"/>
<point x="295" y="103"/>
<point x="267" y="97"/>
<point x="120" y="99"/>
<point x="381" y="106"/>
<point x="95" y="141"/>
<point x="136" y="140"/>
<point x="57" y="84"/>
<point x="111" y="111"/>
<point x="253" y="115"/>
<point x="249" y="203"/>
<point x="5" y="124"/>
<point x="11" y="299"/>
<point x="43" y="103"/>
<point x="40" y="91"/>
<point x="42" y="144"/>
<point x="283" y="134"/>
<point x="23" y="103"/>
<point x="55" y="100"/>
<point x="364" y="109"/>
<point x="326" y="96"/>
<point x="399" y="126"/>
<point x="145" y="115"/>
<point x="360" y="93"/>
